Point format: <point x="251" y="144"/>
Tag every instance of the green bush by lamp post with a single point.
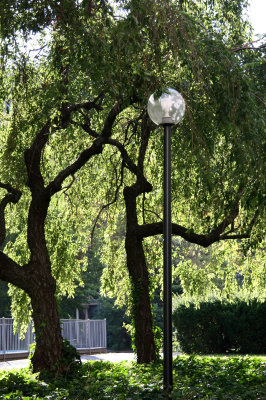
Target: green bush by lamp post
<point x="167" y="110"/>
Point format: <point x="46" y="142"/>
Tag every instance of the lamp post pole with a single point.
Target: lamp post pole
<point x="167" y="263"/>
<point x="167" y="110"/>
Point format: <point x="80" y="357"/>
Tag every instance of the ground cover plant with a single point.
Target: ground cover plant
<point x="195" y="377"/>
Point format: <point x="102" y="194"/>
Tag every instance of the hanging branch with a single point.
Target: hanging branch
<point x="66" y="188"/>
<point x="118" y="187"/>
<point x="243" y="236"/>
<point x="249" y="46"/>
<point x="154" y="213"/>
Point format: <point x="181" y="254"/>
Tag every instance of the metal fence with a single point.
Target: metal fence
<point x="85" y="334"/>
<point x="12" y="343"/>
<point x="82" y="334"/>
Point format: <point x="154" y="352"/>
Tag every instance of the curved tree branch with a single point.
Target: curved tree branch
<point x="87" y="105"/>
<point x="12" y="272"/>
<point x="13" y="196"/>
<point x="55" y="185"/>
<point x="96" y="148"/>
<point x="33" y="159"/>
<point x="205" y="240"/>
<point x="145" y="135"/>
<point x="227" y="235"/>
<point x="127" y="160"/>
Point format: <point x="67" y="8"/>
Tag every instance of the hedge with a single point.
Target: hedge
<point x="221" y="327"/>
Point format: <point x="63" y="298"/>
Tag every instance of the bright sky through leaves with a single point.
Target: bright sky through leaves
<point x="257" y="15"/>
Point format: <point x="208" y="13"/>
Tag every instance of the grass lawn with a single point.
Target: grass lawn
<point x="195" y="377"/>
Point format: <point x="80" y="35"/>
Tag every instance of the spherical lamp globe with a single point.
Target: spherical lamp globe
<point x="168" y="109"/>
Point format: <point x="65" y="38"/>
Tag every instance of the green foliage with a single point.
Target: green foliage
<point x="221" y="327"/>
<point x="208" y="378"/>
<point x="20" y="384"/>
<point x="116" y="316"/>
<point x="222" y="269"/>
<point x="5" y="303"/>
<point x="20" y="309"/>
<point x="88" y="289"/>
<point x="118" y="338"/>
<point x="70" y="358"/>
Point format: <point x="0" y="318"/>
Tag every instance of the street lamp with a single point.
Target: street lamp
<point x="167" y="110"/>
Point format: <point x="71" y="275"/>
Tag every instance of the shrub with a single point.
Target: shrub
<point x="221" y="327"/>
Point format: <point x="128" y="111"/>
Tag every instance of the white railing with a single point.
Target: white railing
<point x="82" y="334"/>
<point x="10" y="342"/>
<point x="85" y="334"/>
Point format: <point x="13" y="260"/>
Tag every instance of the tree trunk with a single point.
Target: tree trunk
<point x="36" y="280"/>
<point x="141" y="306"/>
<point x="138" y="272"/>
<point x="49" y="342"/>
